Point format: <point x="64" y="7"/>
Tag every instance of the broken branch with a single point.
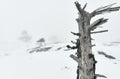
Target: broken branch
<point x="98" y="22"/>
<point x="106" y="55"/>
<point x="108" y="6"/>
<point x="71" y="47"/>
<point x="74" y="58"/>
<point x="99" y="31"/>
<point x="84" y="6"/>
<point x="105" y="9"/>
<point x="78" y="6"/>
<point x="77" y="34"/>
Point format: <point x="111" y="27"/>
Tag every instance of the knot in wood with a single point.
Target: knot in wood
<point x="85" y="37"/>
<point x="90" y="56"/>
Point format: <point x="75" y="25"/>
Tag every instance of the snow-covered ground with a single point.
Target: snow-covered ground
<point x="30" y="20"/>
<point x="17" y="63"/>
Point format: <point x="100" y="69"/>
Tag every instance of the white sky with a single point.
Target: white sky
<point x="52" y="19"/>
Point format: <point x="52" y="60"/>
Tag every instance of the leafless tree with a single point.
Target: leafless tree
<point x="84" y="56"/>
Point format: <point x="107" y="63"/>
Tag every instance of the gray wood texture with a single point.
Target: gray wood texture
<point x="84" y="56"/>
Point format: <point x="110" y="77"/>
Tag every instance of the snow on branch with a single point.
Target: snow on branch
<point x="105" y="9"/>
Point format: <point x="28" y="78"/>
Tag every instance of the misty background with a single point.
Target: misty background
<point x="51" y="19"/>
<point x="24" y="22"/>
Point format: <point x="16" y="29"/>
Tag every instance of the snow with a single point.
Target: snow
<point x="18" y="63"/>
<point x="41" y="18"/>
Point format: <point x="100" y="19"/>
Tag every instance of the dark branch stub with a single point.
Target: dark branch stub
<point x="99" y="31"/>
<point x="71" y="47"/>
<point x="77" y="34"/>
<point x="77" y="44"/>
<point x="106" y="55"/>
<point x="99" y="75"/>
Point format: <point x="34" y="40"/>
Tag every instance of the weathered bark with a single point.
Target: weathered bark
<point x="85" y="59"/>
<point x="86" y="68"/>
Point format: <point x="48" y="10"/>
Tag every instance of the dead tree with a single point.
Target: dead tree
<point x="84" y="56"/>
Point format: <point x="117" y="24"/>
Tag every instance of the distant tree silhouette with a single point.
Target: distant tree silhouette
<point x="25" y="37"/>
<point x="41" y="42"/>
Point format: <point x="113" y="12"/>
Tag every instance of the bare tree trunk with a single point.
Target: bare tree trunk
<point x="86" y="67"/>
<point x="85" y="58"/>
